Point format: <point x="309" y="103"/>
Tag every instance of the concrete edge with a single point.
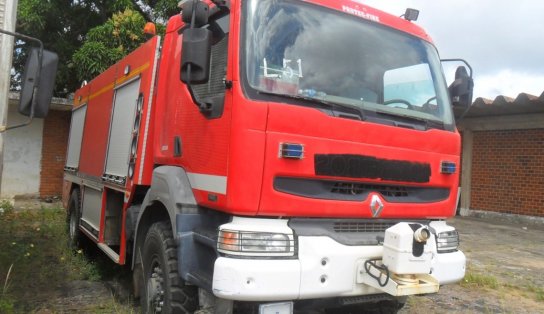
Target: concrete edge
<point x="509" y="218"/>
<point x="58" y="104"/>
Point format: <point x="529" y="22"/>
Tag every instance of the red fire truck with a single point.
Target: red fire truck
<point x="273" y="156"/>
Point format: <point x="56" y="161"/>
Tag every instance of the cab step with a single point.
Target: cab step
<point x="109" y="252"/>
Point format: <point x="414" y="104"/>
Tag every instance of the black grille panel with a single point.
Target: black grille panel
<point x="360" y="188"/>
<point x="359" y="166"/>
<point x="354" y="226"/>
<point x="356" y="191"/>
<point x="346" y="231"/>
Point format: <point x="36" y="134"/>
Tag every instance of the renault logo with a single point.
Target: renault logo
<point x="376" y="205"/>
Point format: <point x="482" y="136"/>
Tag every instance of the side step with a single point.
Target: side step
<point x="109" y="252"/>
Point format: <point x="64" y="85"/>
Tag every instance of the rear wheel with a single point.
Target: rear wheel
<point x="74" y="213"/>
<point x="163" y="289"/>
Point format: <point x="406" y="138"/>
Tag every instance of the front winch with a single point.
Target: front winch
<point x="405" y="249"/>
<point x="406" y="263"/>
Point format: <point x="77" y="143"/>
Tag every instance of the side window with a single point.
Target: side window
<point x="215" y="87"/>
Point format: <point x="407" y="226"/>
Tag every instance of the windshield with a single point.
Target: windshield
<point x="304" y="51"/>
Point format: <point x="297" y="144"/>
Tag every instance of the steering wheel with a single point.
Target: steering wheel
<point x="428" y="107"/>
<point x="399" y="101"/>
<point x="428" y="102"/>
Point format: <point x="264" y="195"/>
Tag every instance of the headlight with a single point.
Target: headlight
<point x="255" y="243"/>
<point x="447" y="241"/>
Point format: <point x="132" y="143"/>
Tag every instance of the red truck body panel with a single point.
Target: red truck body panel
<point x="99" y="98"/>
<point x="99" y="95"/>
<point x="365" y="12"/>
<point x="95" y="138"/>
<point x="323" y="134"/>
<point x="242" y="146"/>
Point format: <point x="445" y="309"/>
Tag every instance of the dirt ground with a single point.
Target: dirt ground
<point x="505" y="272"/>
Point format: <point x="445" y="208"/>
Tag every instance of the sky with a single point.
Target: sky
<point x="503" y="40"/>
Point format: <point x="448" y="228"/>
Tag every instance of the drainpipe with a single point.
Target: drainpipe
<point x="8" y="16"/>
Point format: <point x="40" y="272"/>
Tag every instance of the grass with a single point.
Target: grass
<point x="6" y="302"/>
<point x="537" y="291"/>
<point x="6" y="207"/>
<point x="36" y="262"/>
<point x="480" y="280"/>
<point x="477" y="279"/>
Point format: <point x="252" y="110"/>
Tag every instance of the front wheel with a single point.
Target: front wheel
<point x="163" y="289"/>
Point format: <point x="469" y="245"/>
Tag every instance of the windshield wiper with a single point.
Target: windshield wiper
<point x="328" y="104"/>
<point x="427" y="123"/>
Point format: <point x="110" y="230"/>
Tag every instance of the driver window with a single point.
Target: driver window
<point x="411" y="85"/>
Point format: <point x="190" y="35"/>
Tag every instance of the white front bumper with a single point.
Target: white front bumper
<point x="302" y="278"/>
<point x="448" y="268"/>
<point x="324" y="268"/>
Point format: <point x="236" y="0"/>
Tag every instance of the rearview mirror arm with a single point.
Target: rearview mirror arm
<point x="469" y="74"/>
<point x="460" y="60"/>
<point x="35" y="89"/>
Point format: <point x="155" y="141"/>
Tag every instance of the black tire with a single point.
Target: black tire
<point x="163" y="289"/>
<point x="75" y="236"/>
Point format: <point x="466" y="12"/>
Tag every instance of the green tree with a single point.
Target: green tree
<point x="66" y="26"/>
<point x="62" y="25"/>
<point x="158" y="11"/>
<point x="108" y="43"/>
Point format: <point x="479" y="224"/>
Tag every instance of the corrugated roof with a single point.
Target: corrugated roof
<point x="502" y="105"/>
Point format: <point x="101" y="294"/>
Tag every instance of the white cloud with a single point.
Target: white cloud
<point x="501" y="39"/>
<point x="508" y="83"/>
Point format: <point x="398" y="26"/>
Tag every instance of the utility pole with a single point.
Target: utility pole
<point x="8" y="16"/>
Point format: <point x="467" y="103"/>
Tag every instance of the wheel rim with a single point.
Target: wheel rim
<point x="155" y="290"/>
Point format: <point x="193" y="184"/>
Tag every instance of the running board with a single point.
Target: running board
<point x="396" y="285"/>
<point x="109" y="252"/>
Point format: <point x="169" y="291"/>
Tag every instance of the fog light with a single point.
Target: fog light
<point x="447" y="241"/>
<point x="255" y="243"/>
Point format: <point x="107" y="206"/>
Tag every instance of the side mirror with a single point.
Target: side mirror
<point x="461" y="89"/>
<point x="41" y="76"/>
<point x="201" y="12"/>
<point x="196" y="55"/>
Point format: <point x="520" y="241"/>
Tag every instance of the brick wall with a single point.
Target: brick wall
<point x="508" y="171"/>
<point x="55" y="141"/>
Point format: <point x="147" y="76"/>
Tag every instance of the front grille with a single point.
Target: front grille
<point x="358" y="191"/>
<point x="356" y="226"/>
<point x="361" y="188"/>
<point x="350" y="232"/>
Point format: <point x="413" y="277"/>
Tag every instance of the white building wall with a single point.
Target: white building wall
<point x="22" y="157"/>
